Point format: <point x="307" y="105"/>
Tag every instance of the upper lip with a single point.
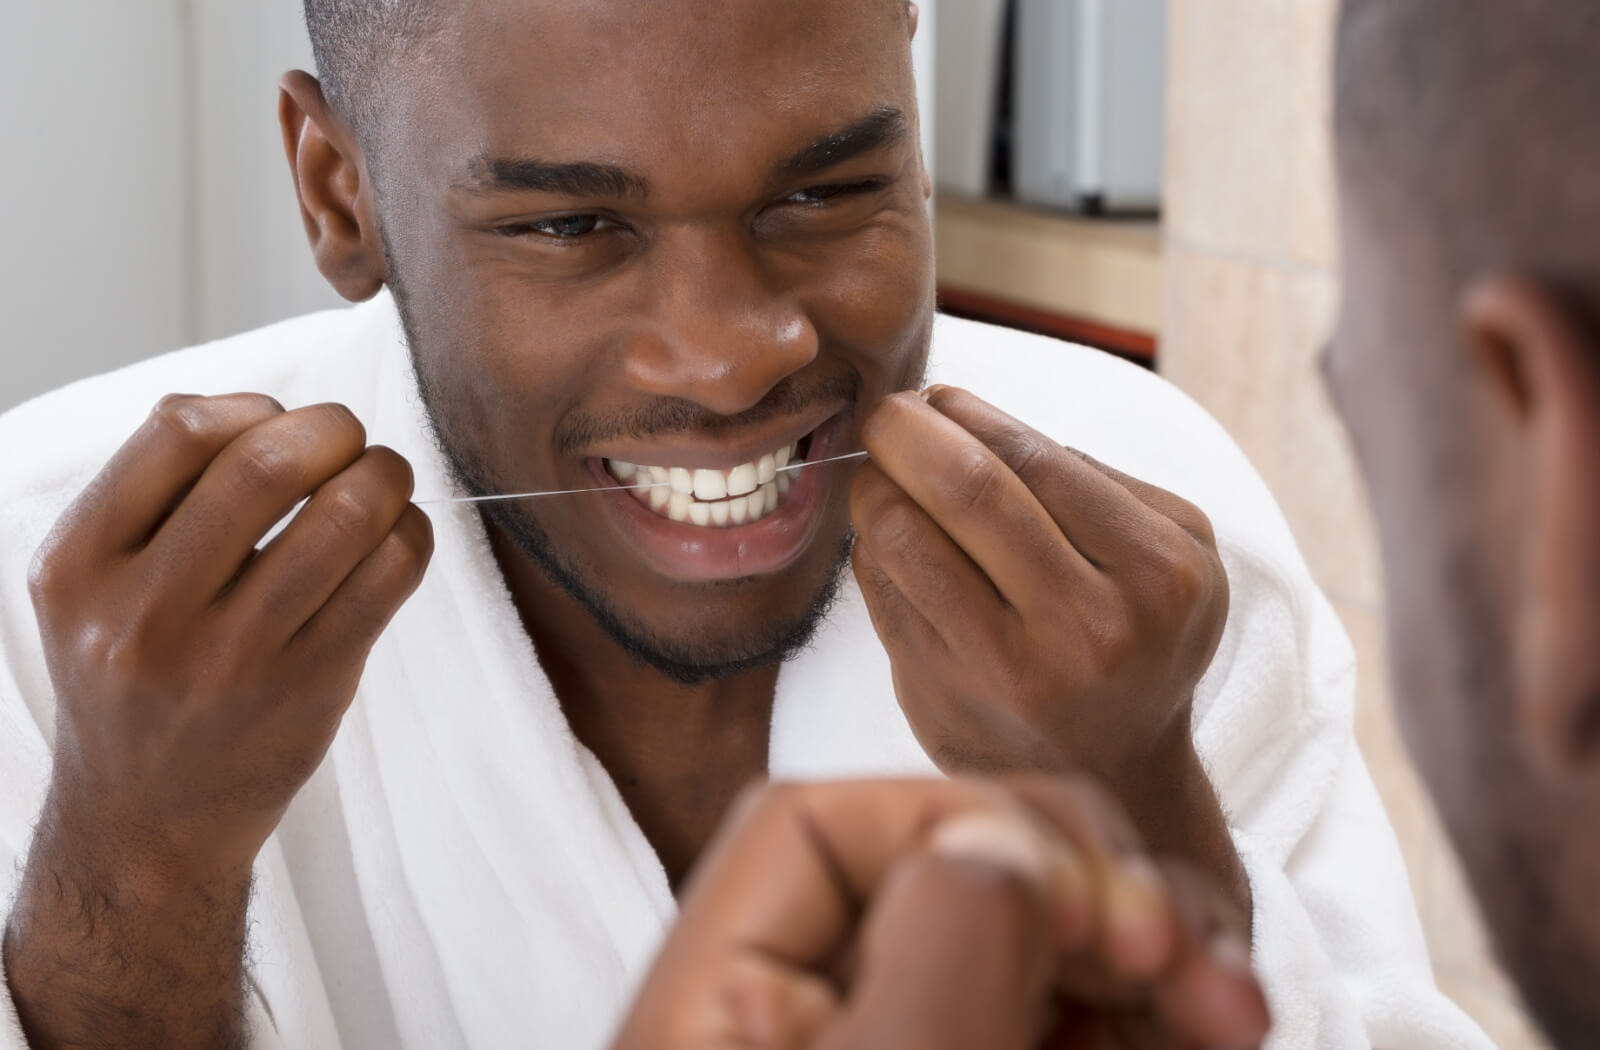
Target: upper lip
<point x="695" y="451"/>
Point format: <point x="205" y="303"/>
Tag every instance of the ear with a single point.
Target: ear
<point x="330" y="178"/>
<point x="1541" y="365"/>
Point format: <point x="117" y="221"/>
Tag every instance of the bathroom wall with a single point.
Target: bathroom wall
<point x="94" y="191"/>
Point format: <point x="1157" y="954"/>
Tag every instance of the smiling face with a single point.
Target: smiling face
<point x="635" y="241"/>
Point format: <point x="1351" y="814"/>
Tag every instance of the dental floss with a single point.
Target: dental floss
<point x="802" y="465"/>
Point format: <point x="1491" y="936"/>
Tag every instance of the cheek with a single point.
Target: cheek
<point x="876" y="301"/>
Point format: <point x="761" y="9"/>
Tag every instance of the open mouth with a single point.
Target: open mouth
<point x="712" y="498"/>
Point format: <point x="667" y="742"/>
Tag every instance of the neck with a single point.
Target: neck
<point x="678" y="754"/>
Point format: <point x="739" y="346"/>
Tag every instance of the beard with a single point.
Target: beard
<point x="1528" y="849"/>
<point x="689" y="660"/>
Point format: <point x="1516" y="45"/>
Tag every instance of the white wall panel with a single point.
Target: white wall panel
<point x="94" y="198"/>
<point x="924" y="52"/>
<point x="255" y="266"/>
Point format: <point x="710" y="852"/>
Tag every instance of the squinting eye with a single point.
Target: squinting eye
<point x="824" y="194"/>
<point x="564" y="227"/>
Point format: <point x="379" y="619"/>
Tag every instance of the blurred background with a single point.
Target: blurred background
<point x="1151" y="177"/>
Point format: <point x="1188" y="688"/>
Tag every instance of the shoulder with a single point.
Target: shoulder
<point x="1123" y="415"/>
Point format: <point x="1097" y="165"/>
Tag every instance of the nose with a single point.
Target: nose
<point x="720" y="331"/>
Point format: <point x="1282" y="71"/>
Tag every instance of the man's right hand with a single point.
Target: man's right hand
<point x="200" y="678"/>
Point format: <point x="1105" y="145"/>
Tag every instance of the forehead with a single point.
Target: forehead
<point x="644" y="83"/>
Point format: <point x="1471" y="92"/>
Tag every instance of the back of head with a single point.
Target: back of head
<point x="1467" y="366"/>
<point x="1473" y="126"/>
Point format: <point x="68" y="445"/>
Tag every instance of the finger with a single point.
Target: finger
<point x="1108" y="515"/>
<point x="125" y="503"/>
<point x="1132" y="932"/>
<point x="249" y="487"/>
<point x="751" y="1002"/>
<point x="364" y="604"/>
<point x="914" y="566"/>
<point x="955" y="954"/>
<point x="1212" y="995"/>
<point x="976" y="499"/>
<point x="894" y="618"/>
<point x="344" y="521"/>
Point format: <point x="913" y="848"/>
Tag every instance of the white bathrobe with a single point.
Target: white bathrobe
<point x="461" y="873"/>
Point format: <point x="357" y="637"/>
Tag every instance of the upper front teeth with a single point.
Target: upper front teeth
<point x="717" y="497"/>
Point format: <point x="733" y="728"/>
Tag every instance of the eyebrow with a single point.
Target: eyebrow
<point x="880" y="129"/>
<point x="885" y="126"/>
<point x="584" y="179"/>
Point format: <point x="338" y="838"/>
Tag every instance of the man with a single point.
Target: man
<point x="1467" y="365"/>
<point x="673" y="245"/>
<point x="1467" y="142"/>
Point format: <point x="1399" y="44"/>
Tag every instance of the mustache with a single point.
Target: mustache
<point x="680" y="416"/>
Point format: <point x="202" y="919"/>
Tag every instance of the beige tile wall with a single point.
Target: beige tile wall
<point x="1249" y="300"/>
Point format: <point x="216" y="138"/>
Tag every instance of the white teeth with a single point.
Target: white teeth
<point x="710" y="485"/>
<point x="741" y="496"/>
<point x="743" y="480"/>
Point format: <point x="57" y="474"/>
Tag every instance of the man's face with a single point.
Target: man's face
<point x="686" y="236"/>
<point x="1437" y="466"/>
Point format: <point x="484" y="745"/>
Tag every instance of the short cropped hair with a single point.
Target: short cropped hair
<point x="1475" y="124"/>
<point x="352" y="39"/>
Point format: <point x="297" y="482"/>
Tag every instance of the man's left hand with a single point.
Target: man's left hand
<point x="1042" y="612"/>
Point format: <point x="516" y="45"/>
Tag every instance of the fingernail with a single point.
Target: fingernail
<point x="1137" y="918"/>
<point x="985" y="838"/>
<point x="927" y="395"/>
<point x="1231" y="955"/>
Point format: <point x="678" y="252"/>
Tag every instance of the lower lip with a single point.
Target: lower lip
<point x="695" y="554"/>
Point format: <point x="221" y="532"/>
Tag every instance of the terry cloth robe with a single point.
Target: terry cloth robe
<point x="461" y="873"/>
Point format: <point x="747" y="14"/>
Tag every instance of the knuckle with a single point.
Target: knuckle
<point x="264" y="464"/>
<point x="1031" y="453"/>
<point x="893" y="526"/>
<point x="348" y="513"/>
<point x="188" y="420"/>
<point x="976" y="477"/>
<point x="1196" y="522"/>
<point x="45" y="572"/>
<point x="259" y="406"/>
<point x="1179" y="577"/>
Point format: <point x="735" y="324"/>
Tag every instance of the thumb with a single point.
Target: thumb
<point x="955" y="953"/>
